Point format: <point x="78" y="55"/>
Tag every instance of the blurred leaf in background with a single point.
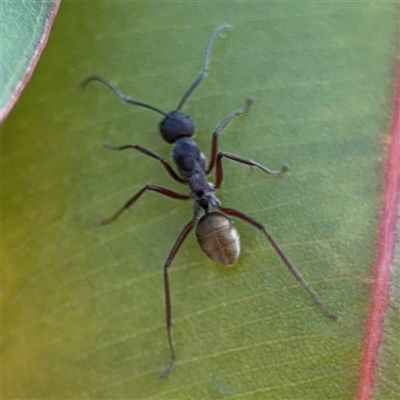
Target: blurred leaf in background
<point x="25" y="28"/>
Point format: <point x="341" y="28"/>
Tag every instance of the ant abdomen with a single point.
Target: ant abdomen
<point x="218" y="238"/>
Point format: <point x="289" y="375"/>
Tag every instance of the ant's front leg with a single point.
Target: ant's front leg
<point x="220" y="128"/>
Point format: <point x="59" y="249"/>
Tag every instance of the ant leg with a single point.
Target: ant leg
<point x="132" y="200"/>
<point x="289" y="265"/>
<point x="149" y="153"/>
<point x="220" y="128"/>
<point x="168" y="314"/>
<point x="246" y="161"/>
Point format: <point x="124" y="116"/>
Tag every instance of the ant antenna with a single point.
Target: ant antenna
<point x="121" y="95"/>
<point x="204" y="72"/>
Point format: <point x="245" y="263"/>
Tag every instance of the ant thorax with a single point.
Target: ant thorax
<point x="206" y="201"/>
<point x="191" y="164"/>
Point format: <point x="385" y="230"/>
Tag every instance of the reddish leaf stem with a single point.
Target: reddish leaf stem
<point x="384" y="263"/>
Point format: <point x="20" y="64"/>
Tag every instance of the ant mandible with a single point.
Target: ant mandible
<point x="215" y="231"/>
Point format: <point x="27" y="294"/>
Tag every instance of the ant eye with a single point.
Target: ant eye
<point x="176" y="125"/>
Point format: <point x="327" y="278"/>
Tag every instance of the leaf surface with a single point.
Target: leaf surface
<point x="84" y="307"/>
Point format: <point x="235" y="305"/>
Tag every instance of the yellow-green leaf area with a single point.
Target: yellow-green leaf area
<point x="83" y="313"/>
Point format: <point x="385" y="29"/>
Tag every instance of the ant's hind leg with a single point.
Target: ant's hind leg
<point x="168" y="308"/>
<point x="289" y="265"/>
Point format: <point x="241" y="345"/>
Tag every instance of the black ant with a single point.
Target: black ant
<point x="215" y="231"/>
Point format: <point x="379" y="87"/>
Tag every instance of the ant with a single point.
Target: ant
<point x="215" y="231"/>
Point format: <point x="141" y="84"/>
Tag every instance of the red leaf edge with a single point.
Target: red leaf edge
<point x="32" y="66"/>
<point x="386" y="247"/>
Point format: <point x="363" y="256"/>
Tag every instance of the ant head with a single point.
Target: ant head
<point x="176" y="125"/>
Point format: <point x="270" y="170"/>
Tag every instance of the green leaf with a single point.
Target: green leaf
<point x="84" y="306"/>
<point x="25" y="27"/>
